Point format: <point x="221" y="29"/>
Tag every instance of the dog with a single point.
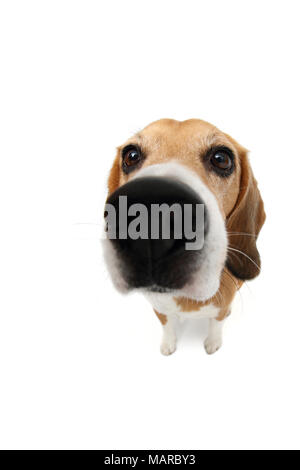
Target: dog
<point x="187" y="161"/>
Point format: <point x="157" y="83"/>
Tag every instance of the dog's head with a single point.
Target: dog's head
<point x="189" y="162"/>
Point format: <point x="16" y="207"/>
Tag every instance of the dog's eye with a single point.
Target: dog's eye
<point x="131" y="156"/>
<point x="222" y="161"/>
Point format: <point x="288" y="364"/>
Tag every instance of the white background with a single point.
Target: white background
<point x="80" y="365"/>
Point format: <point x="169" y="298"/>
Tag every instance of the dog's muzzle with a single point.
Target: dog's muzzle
<point x="153" y="259"/>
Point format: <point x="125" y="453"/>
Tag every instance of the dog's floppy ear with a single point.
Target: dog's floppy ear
<point x="114" y="175"/>
<point x="244" y="224"/>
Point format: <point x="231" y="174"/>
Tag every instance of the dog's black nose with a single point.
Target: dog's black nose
<point x="162" y="228"/>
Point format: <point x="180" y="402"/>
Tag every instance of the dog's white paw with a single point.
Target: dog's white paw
<point x="212" y="344"/>
<point x="167" y="348"/>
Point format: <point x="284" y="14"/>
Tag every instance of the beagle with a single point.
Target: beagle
<point x="171" y="161"/>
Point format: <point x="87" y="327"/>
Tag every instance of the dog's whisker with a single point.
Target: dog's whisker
<point x="236" y="257"/>
<point x="225" y="272"/>
<point x="236" y="286"/>
<point x="242" y="233"/>
<point x="219" y="296"/>
<point x="87" y="223"/>
<point x="242" y="253"/>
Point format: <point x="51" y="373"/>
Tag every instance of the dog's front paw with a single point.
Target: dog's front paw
<point x="212" y="344"/>
<point x="167" y="348"/>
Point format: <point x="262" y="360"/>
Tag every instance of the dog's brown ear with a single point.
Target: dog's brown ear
<point x="114" y="175"/>
<point x="244" y="224"/>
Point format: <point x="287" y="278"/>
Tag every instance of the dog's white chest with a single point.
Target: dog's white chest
<point x="165" y="304"/>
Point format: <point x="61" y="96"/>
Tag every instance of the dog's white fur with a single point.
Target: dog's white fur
<point x="214" y="340"/>
<point x="113" y="266"/>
